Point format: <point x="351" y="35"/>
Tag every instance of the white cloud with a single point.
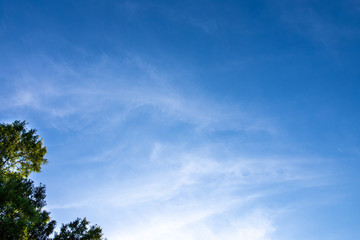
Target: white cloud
<point x="191" y="193"/>
<point x="158" y="188"/>
<point x="67" y="96"/>
<point x="199" y="224"/>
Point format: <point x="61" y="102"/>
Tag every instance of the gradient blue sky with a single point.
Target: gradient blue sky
<point x="173" y="120"/>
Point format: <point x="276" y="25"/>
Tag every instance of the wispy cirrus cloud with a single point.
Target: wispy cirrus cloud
<point x="190" y="120"/>
<point x="177" y="192"/>
<point x="196" y="225"/>
<point x="62" y="92"/>
<point x="308" y="20"/>
<point x="156" y="187"/>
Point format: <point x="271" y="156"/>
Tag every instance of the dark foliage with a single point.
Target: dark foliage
<point x="77" y="230"/>
<point x="21" y="209"/>
<point x="21" y="203"/>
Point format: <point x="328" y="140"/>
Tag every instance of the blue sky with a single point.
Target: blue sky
<point x="169" y="120"/>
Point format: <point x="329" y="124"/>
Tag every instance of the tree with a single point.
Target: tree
<point x="21" y="150"/>
<point x="21" y="203"/>
<point x="21" y="209"/>
<point x="77" y="230"/>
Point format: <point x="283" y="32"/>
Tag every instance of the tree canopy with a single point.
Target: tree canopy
<point x="21" y="203"/>
<point x="21" y="150"/>
<point x="21" y="210"/>
<point x="77" y="230"/>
